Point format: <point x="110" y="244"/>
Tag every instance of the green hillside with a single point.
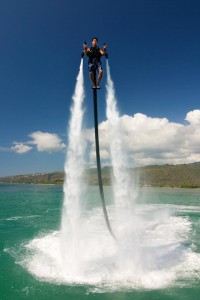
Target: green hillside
<point x="184" y="176"/>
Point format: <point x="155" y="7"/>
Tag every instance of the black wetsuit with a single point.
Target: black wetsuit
<point x="94" y="54"/>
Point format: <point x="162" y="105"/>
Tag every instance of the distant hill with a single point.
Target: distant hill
<point x="184" y="176"/>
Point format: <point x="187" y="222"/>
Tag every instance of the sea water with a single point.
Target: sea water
<point x="29" y="246"/>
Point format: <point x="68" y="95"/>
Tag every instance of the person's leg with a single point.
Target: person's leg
<point x="92" y="79"/>
<point x="91" y="69"/>
<point x="100" y="75"/>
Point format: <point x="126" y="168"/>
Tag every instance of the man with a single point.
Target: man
<point x="94" y="62"/>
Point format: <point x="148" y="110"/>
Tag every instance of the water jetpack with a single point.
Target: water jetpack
<point x="98" y="159"/>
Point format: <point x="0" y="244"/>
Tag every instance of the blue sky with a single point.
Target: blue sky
<point x="153" y="48"/>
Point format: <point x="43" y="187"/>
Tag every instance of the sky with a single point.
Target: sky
<point x="154" y="59"/>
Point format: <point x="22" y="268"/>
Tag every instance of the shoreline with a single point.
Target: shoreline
<point x="105" y="185"/>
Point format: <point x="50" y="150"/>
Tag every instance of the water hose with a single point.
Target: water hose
<point x="99" y="164"/>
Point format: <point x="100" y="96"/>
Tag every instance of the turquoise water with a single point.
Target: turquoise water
<point x="29" y="230"/>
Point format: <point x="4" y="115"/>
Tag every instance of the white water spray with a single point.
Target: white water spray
<point x="89" y="255"/>
<point x="127" y="226"/>
<point x="74" y="168"/>
<point x="123" y="193"/>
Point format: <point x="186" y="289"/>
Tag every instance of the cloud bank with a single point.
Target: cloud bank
<point x="145" y="140"/>
<point x="148" y="140"/>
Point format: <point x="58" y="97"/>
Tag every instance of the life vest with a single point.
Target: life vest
<point x="94" y="53"/>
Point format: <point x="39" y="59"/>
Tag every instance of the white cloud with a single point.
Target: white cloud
<point x="20" y="148"/>
<point x="45" y="141"/>
<point x="148" y="140"/>
<point x="193" y="117"/>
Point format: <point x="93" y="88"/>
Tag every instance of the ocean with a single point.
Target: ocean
<point x="167" y="267"/>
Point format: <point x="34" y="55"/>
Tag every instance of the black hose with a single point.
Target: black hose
<point x="99" y="164"/>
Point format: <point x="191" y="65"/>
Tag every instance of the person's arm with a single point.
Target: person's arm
<point x="85" y="49"/>
<point x="103" y="51"/>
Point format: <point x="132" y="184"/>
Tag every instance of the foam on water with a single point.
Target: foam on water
<point x="16" y="218"/>
<point x="167" y="255"/>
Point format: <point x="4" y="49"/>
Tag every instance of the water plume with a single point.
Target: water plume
<point x="122" y="190"/>
<point x="74" y="169"/>
<point x="127" y="224"/>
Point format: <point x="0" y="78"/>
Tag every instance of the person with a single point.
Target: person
<point x="94" y="54"/>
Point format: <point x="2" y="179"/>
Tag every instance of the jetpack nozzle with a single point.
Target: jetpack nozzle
<point x="82" y="54"/>
<point x="106" y="55"/>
